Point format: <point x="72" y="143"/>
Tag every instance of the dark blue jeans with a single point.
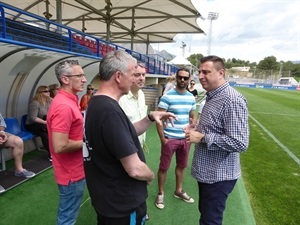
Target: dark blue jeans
<point x="212" y="201"/>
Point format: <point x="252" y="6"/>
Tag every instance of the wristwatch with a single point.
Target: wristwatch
<point x="150" y="117"/>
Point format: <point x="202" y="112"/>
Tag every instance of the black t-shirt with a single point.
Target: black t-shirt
<point x="111" y="136"/>
<point x="194" y="92"/>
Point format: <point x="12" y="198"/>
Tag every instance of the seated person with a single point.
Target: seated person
<point x="86" y="98"/>
<point x="37" y="112"/>
<point x="191" y="88"/>
<point x="53" y="88"/>
<point x="8" y="140"/>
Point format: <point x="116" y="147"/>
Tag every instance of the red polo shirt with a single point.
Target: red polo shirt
<point x="64" y="116"/>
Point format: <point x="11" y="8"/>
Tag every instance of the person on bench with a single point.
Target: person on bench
<point x="8" y="140"/>
<point x="37" y="113"/>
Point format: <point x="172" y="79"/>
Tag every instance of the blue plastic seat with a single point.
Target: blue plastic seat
<point x="13" y="127"/>
<point x="23" y="122"/>
<point x="23" y="128"/>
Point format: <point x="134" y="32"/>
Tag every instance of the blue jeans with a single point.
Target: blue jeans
<point x="212" y="201"/>
<point x="70" y="198"/>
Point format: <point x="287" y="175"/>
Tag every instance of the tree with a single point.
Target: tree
<point x="268" y="63"/>
<point x="195" y="58"/>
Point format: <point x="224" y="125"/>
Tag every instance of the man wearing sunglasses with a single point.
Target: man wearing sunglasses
<point x="182" y="103"/>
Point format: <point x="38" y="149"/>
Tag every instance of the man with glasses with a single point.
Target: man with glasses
<point x="182" y="103"/>
<point x="65" y="130"/>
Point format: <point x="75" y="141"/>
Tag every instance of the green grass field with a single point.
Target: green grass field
<point x="271" y="168"/>
<point x="271" y="175"/>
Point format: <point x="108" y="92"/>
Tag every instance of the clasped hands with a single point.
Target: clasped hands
<point x="191" y="134"/>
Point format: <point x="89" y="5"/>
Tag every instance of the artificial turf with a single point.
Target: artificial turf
<point x="35" y="201"/>
<point x="271" y="176"/>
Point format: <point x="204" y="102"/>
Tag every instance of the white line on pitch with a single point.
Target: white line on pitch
<point x="85" y="201"/>
<point x="277" y="141"/>
<point x="279" y="114"/>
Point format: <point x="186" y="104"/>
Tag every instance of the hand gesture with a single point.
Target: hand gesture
<point x="162" y="117"/>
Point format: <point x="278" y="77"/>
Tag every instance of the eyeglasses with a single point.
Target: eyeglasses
<point x="90" y="89"/>
<point x="76" y="75"/>
<point x="46" y="91"/>
<point x="181" y="77"/>
<point x="139" y="74"/>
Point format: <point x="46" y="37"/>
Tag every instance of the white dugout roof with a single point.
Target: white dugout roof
<point x="119" y="21"/>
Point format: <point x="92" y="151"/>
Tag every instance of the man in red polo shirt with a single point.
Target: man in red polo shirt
<point x="65" y="129"/>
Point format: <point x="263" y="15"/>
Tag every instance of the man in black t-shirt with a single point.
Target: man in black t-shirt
<point x="116" y="172"/>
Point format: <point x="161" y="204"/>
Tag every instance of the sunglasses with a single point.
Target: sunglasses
<point x="192" y="83"/>
<point x="181" y="77"/>
<point x="90" y="89"/>
<point x="46" y="91"/>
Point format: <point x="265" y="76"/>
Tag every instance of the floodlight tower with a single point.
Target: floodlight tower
<point x="183" y="48"/>
<point x="211" y="16"/>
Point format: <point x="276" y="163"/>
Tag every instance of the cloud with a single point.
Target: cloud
<point x="247" y="30"/>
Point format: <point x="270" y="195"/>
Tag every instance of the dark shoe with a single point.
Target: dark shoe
<point x="184" y="196"/>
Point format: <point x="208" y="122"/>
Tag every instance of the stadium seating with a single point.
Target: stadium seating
<point x="13" y="127"/>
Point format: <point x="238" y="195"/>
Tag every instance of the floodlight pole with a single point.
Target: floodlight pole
<point x="183" y="48"/>
<point x="211" y="16"/>
<point x="280" y="70"/>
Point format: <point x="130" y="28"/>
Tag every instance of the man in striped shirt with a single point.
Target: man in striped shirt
<point x="182" y="103"/>
<point x="221" y="135"/>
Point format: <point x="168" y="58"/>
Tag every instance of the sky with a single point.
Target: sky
<point x="245" y="29"/>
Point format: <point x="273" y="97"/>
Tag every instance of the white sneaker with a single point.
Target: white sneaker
<point x="159" y="202"/>
<point x="2" y="189"/>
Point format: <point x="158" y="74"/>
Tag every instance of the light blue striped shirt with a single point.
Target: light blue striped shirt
<point x="180" y="105"/>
